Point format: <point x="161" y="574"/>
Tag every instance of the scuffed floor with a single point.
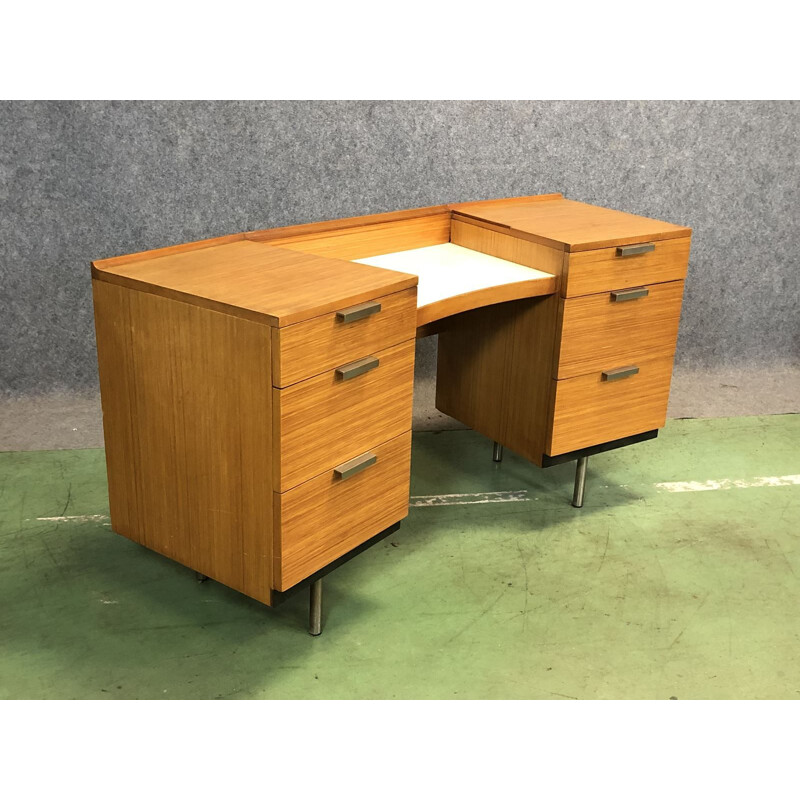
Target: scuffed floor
<point x="678" y="578"/>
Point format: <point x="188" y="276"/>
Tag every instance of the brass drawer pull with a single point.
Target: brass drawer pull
<point x="354" y="466"/>
<point x="619" y="374"/>
<point x="356" y="368"/>
<point x="358" y="312"/>
<point x="635" y="249"/>
<point x="629" y="294"/>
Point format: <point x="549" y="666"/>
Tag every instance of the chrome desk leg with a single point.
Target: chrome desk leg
<point x="580" y="482"/>
<point x="315" y="609"/>
<point x="497" y="453"/>
<point x="200" y="577"/>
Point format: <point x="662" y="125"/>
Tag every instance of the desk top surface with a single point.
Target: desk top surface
<point x="570" y="225"/>
<point x="257" y="281"/>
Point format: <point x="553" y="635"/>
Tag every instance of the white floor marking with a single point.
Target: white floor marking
<point x="725" y="483"/>
<point x="469" y="499"/>
<point x="79" y="518"/>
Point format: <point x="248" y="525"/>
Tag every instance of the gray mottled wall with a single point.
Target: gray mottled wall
<point x="80" y="181"/>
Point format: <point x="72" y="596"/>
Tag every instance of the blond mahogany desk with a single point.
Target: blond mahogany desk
<point x="257" y="388"/>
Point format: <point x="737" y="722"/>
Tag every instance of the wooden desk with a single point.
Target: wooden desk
<point x="257" y="388"/>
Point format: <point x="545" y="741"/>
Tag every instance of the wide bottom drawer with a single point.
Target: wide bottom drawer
<point x="329" y="515"/>
<point x="601" y="407"/>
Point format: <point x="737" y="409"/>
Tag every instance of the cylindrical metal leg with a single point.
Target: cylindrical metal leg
<point x="315" y="609"/>
<point x="497" y="454"/>
<point x="200" y="577"/>
<point x="580" y="482"/>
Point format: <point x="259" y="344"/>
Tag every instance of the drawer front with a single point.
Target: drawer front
<point x="328" y="516"/>
<point x="604" y="270"/>
<point x="335" y="416"/>
<point x="619" y="327"/>
<point x="592" y="409"/>
<point x="320" y="344"/>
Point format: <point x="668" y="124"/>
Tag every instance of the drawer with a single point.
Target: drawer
<point x="593" y="271"/>
<point x="328" y="516"/>
<point x="325" y="420"/>
<point x="320" y="344"/>
<point x="619" y="327"/>
<point x="590" y="409"/>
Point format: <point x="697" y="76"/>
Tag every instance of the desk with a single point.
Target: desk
<point x="257" y="388"/>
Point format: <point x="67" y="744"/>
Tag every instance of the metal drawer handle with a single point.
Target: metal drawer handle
<point x="629" y="294"/>
<point x="356" y="368"/>
<point x="354" y="466"/>
<point x="635" y="249"/>
<point x="358" y="312"/>
<point x="619" y="374"/>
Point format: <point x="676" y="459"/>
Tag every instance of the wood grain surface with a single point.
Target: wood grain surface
<point x="588" y="410"/>
<point x="505" y="202"/>
<point x="503" y="293"/>
<point x="326" y="517"/>
<point x="504" y="245"/>
<point x="104" y="264"/>
<point x="574" y="226"/>
<point x="494" y="372"/>
<point x="603" y="270"/>
<point x="373" y="240"/>
<point x="595" y="331"/>
<point x="255" y="281"/>
<point x="187" y="416"/>
<point x="325" y="420"/>
<point x="322" y="343"/>
<point x="326" y="227"/>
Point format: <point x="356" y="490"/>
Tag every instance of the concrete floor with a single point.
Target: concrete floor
<point x="687" y="589"/>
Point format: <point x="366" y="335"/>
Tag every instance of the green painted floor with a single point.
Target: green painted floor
<point x="646" y="592"/>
